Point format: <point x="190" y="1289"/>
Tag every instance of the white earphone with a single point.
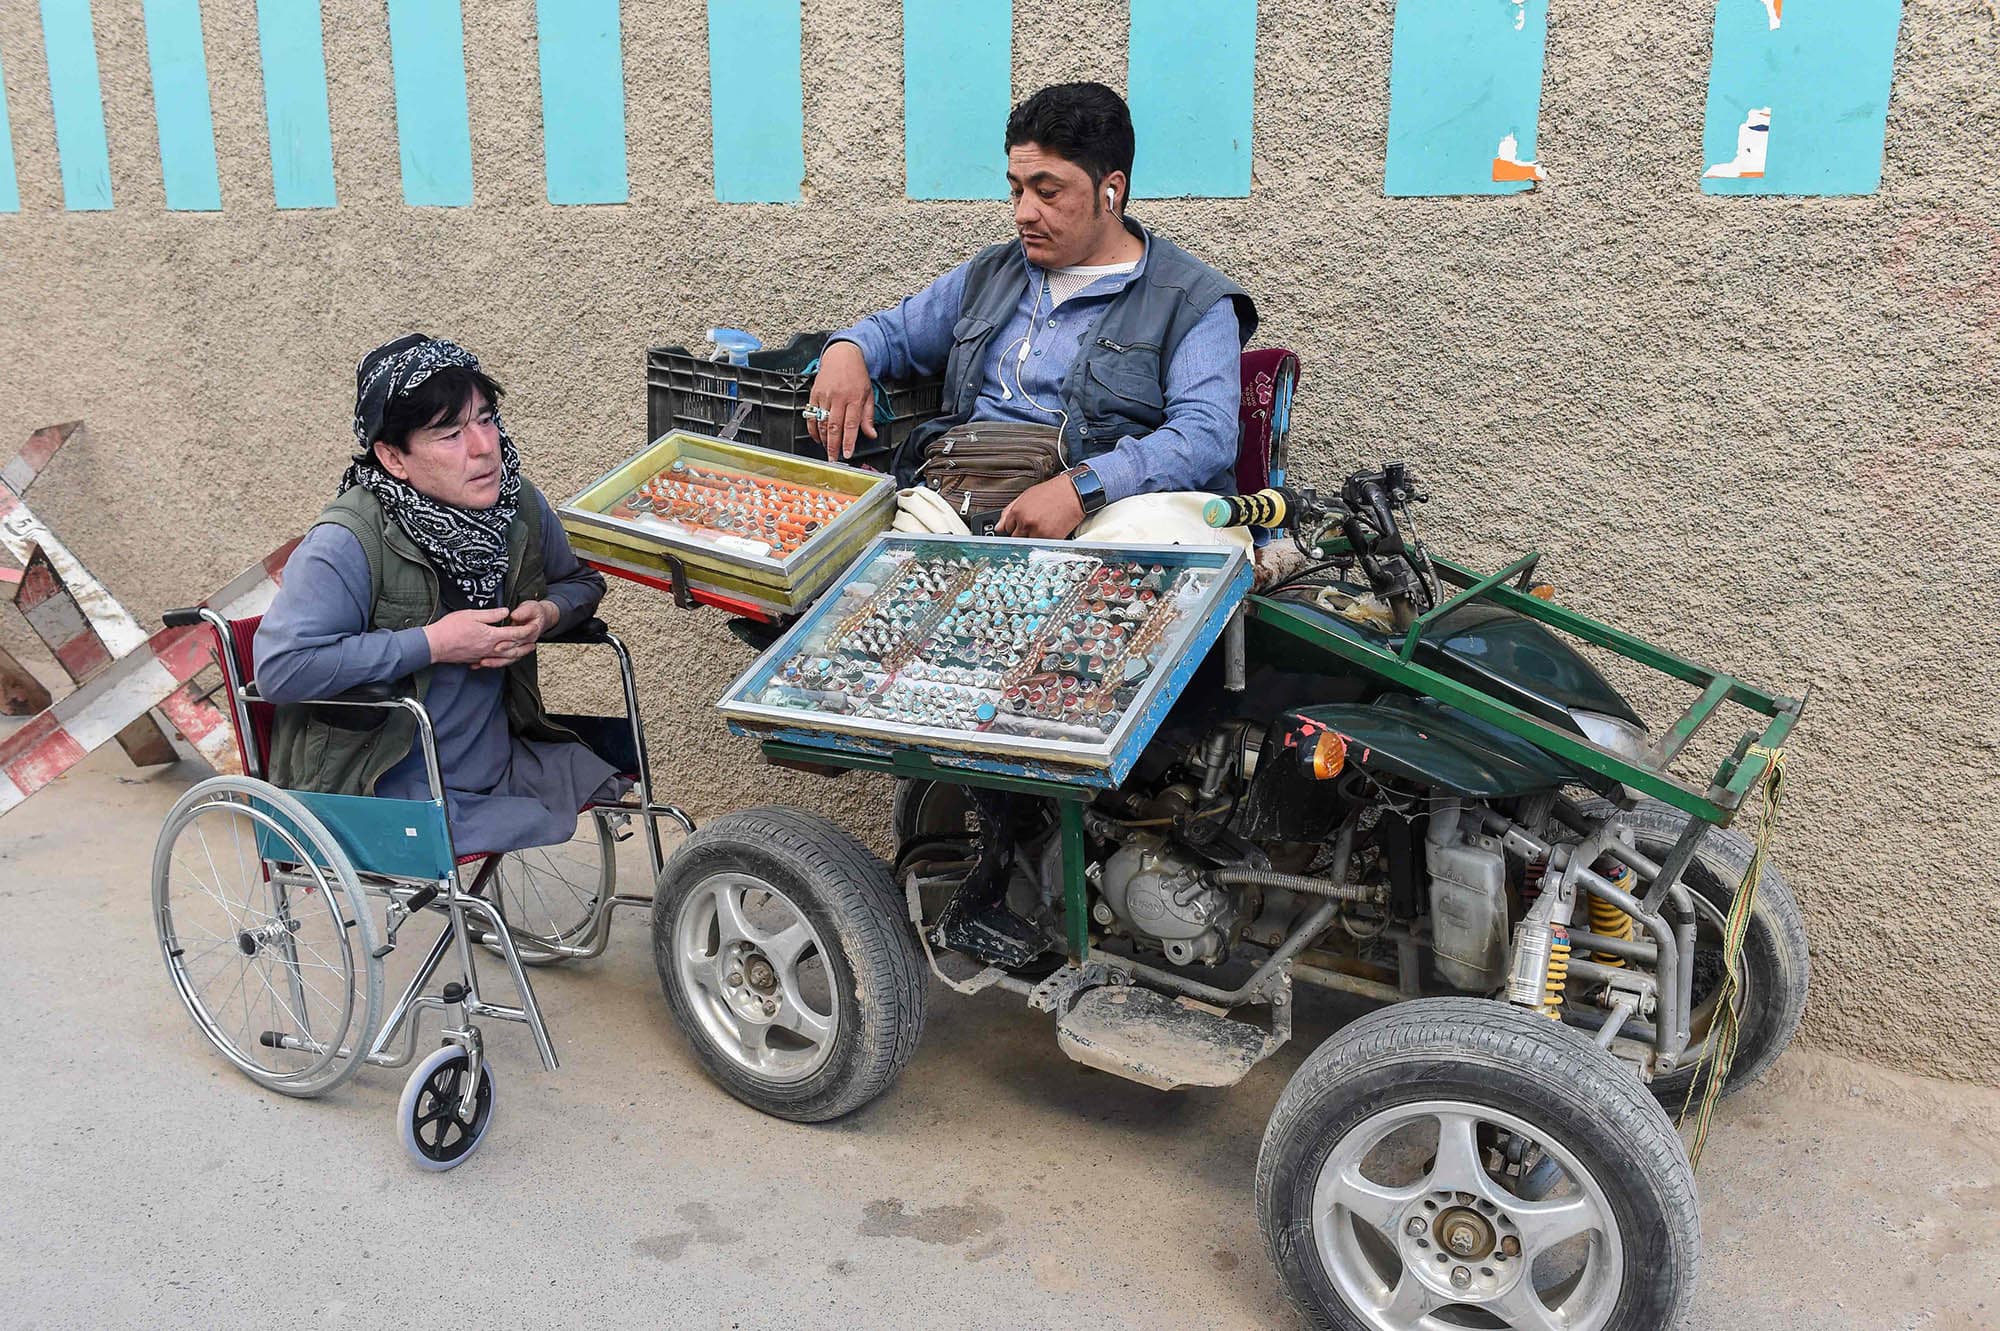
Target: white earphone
<point x="1110" y="197"/>
<point x="1021" y="361"/>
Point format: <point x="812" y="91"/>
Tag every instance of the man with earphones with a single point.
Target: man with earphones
<point x="1085" y="321"/>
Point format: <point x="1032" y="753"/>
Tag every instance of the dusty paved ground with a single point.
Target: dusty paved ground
<point x="997" y="1185"/>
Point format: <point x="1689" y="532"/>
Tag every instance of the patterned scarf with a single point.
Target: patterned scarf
<point x="466" y="545"/>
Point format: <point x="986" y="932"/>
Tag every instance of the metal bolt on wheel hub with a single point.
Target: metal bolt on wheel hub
<point x="1454" y="1242"/>
<point x="755" y="971"/>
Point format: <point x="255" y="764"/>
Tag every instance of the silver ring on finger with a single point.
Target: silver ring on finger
<point x="815" y="412"/>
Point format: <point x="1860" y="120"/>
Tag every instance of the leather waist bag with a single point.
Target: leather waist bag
<point x="981" y="467"/>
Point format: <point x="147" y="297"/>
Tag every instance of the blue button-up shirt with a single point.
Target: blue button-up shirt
<point x="1030" y="356"/>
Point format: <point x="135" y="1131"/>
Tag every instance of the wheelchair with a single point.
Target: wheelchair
<point x="264" y="903"/>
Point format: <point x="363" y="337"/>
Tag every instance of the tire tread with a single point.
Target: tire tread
<point x="1563" y="1062"/>
<point x="888" y="970"/>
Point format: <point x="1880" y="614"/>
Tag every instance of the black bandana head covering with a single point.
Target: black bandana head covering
<point x="466" y="545"/>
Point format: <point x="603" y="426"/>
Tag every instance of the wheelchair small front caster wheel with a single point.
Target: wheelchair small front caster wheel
<point x="431" y="1119"/>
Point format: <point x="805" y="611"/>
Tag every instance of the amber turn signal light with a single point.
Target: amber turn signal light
<point x="1329" y="755"/>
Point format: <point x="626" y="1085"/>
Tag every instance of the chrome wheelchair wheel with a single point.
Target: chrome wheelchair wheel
<point x="551" y="895"/>
<point x="266" y="934"/>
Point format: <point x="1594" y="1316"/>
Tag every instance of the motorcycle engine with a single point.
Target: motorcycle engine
<point x="1157" y="893"/>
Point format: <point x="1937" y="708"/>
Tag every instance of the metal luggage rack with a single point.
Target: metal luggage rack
<point x="1717" y="803"/>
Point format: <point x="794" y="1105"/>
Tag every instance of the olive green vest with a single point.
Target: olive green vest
<point x="345" y="750"/>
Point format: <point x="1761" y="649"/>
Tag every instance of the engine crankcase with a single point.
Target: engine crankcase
<point x="1160" y="894"/>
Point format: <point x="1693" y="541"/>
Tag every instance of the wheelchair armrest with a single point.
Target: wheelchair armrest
<point x="361" y="695"/>
<point x="369" y="693"/>
<point x="592" y="630"/>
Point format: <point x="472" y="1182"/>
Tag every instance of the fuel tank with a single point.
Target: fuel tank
<point x="1498" y="651"/>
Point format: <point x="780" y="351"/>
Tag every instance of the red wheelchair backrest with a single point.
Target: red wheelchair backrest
<point x="257" y="744"/>
<point x="1269" y="376"/>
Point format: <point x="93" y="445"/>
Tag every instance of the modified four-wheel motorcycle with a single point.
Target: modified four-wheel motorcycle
<point x="1389" y="776"/>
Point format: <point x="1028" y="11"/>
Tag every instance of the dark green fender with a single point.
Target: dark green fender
<point x="1422" y="740"/>
<point x="1512" y="657"/>
<point x="1501" y="652"/>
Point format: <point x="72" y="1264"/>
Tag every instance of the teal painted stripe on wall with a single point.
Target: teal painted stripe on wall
<point x="583" y="101"/>
<point x="1798" y="96"/>
<point x="1189" y="76"/>
<point x="10" y="193"/>
<point x="180" y="105"/>
<point x="757" y="101"/>
<point x="78" y="104"/>
<point x="433" y="135"/>
<point x="295" y="109"/>
<point x="1465" y="94"/>
<point x="958" y="72"/>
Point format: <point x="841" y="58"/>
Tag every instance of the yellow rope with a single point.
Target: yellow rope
<point x="1722" y="1033"/>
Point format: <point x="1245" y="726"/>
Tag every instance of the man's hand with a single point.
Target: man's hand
<point x="484" y="637"/>
<point x="538" y="617"/>
<point x="1046" y="512"/>
<point x="843" y="389"/>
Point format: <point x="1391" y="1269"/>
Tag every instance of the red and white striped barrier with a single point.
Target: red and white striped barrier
<point x="21" y="532"/>
<point x="58" y="620"/>
<point x="155" y="674"/>
<point x="19" y="474"/>
<point x="21" y="694"/>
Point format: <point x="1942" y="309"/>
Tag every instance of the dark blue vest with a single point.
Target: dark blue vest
<point x="1117" y="385"/>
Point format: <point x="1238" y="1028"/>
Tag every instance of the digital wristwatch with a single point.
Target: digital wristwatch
<point x="1089" y="488"/>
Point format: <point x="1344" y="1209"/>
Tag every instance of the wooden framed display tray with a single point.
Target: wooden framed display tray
<point x="748" y="524"/>
<point x="1050" y="659"/>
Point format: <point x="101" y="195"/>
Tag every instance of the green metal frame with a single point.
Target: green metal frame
<point x="1717" y="803"/>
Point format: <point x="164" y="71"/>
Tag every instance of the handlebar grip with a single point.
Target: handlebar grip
<point x="1266" y="508"/>
<point x="180" y="619"/>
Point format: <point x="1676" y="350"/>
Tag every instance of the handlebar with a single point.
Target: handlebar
<point x="1371" y="497"/>
<point x="1266" y="508"/>
<point x="1364" y="513"/>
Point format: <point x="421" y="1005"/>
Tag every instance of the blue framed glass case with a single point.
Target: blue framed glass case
<point x="1054" y="659"/>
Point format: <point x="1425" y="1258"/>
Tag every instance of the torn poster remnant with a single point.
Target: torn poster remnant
<point x="1753" y="139"/>
<point x="1460" y="76"/>
<point x="1507" y="163"/>
<point x="1820" y="75"/>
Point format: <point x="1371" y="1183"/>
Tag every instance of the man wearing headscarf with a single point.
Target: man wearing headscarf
<point x="437" y="567"/>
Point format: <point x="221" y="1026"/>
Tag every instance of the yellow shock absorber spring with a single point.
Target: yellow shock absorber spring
<point x="1607" y="919"/>
<point x="1558" y="977"/>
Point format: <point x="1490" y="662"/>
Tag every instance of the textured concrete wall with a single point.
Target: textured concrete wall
<point x="1759" y="431"/>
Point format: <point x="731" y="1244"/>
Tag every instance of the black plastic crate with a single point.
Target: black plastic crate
<point x="686" y="392"/>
